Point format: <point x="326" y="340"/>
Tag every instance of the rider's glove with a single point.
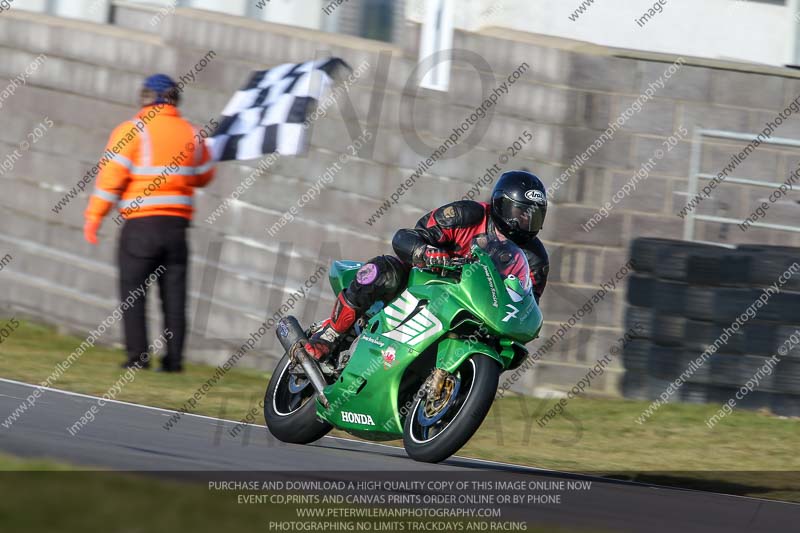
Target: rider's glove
<point x="431" y="256"/>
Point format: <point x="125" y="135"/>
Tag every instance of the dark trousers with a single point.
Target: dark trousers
<point x="150" y="247"/>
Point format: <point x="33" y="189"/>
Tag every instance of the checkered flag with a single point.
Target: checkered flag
<point x="268" y="114"/>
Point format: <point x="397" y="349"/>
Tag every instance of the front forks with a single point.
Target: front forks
<point x="437" y="379"/>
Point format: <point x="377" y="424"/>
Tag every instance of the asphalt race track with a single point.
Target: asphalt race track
<point x="132" y="437"/>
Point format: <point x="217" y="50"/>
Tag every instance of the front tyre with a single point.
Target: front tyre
<point x="290" y="409"/>
<point x="432" y="432"/>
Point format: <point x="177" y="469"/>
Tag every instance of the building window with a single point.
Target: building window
<point x="377" y="20"/>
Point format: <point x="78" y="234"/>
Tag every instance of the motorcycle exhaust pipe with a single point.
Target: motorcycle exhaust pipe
<point x="293" y="338"/>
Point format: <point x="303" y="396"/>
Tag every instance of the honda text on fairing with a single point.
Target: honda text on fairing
<point x="423" y="368"/>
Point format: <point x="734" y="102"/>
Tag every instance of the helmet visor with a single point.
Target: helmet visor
<point x="524" y="217"/>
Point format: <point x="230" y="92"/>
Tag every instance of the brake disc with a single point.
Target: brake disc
<point x="433" y="409"/>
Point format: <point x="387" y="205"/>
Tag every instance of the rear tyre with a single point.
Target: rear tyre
<point x="431" y="439"/>
<point x="290" y="409"/>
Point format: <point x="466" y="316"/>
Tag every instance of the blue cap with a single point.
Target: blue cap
<point x="159" y="84"/>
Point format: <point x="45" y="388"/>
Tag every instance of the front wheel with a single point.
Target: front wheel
<point x="290" y="409"/>
<point x="433" y="431"/>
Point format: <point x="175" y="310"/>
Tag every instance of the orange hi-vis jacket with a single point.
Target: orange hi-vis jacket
<point x="151" y="166"/>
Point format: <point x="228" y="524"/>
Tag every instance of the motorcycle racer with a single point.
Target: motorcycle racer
<point x="517" y="211"/>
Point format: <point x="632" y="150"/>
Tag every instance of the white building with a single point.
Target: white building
<point x="757" y="31"/>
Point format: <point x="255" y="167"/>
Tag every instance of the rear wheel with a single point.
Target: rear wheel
<point x="435" y="430"/>
<point x="289" y="407"/>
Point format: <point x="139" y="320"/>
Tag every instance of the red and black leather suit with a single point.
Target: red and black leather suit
<point x="447" y="231"/>
<point x="451" y="227"/>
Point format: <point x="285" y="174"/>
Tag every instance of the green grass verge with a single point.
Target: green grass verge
<point x="748" y="453"/>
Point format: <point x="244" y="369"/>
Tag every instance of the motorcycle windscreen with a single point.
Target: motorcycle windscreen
<point x="510" y="261"/>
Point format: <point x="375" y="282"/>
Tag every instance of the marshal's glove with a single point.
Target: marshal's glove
<point x="90" y="230"/>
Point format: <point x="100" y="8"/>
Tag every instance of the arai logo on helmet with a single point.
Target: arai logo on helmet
<point x="357" y="418"/>
<point x="535" y="195"/>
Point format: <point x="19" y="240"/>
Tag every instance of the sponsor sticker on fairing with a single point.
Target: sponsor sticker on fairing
<point x="389" y="357"/>
<point x="357" y="418"/>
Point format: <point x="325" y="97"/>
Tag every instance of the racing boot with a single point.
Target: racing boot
<point x="324" y="341"/>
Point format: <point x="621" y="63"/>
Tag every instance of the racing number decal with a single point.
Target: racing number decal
<point x="512" y="313"/>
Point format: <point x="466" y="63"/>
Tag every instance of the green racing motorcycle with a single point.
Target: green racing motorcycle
<point x="424" y="367"/>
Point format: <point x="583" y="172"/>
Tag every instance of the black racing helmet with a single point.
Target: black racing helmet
<point x="519" y="205"/>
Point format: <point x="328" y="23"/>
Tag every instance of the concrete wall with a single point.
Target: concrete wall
<point x="89" y="81"/>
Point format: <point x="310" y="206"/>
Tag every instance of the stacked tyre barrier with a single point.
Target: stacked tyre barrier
<point x="684" y="295"/>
